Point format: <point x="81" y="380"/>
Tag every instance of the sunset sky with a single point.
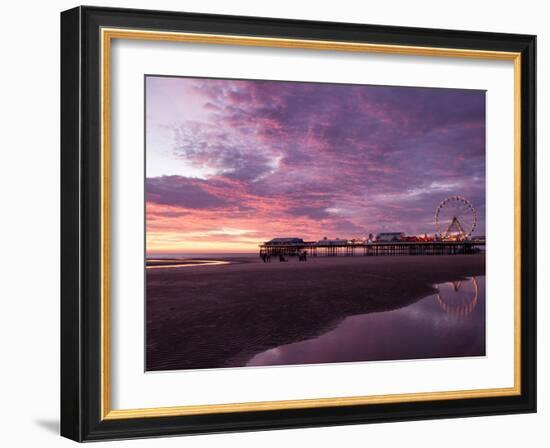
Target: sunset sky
<point x="232" y="163"/>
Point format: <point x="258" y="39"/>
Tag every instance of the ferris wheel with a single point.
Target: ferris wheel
<point x="455" y="218"/>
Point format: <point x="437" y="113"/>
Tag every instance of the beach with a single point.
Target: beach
<point x="212" y="315"/>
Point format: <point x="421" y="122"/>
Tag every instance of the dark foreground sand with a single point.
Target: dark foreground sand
<point x="222" y="315"/>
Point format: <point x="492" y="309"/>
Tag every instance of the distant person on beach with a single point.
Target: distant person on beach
<point x="281" y="258"/>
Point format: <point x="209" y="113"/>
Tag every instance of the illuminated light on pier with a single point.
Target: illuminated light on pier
<point x="455" y="221"/>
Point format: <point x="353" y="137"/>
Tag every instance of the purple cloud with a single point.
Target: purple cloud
<point x="356" y="158"/>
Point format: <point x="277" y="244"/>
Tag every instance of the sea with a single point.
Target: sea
<point x="206" y="255"/>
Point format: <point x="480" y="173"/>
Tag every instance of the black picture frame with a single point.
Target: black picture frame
<point x="81" y="224"/>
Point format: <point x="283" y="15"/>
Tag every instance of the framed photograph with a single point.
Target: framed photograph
<point x="274" y="223"/>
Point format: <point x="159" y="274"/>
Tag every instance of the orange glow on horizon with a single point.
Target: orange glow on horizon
<point x="173" y="243"/>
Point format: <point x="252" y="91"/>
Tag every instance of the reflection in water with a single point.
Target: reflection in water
<point x="459" y="297"/>
<point x="450" y="323"/>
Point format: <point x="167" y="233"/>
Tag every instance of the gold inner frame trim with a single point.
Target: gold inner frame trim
<point x="107" y="35"/>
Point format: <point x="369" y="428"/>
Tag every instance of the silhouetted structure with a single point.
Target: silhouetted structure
<point x="348" y="248"/>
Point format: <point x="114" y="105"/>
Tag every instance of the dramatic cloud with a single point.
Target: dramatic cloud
<point x="263" y="159"/>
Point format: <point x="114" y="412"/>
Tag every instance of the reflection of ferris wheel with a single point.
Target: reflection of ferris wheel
<point x="458" y="298"/>
<point x="455" y="218"/>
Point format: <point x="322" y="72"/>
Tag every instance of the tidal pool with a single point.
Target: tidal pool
<point x="449" y="323"/>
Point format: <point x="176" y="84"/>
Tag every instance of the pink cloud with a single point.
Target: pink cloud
<point x="314" y="160"/>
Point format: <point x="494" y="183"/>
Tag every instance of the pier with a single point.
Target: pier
<point x="347" y="249"/>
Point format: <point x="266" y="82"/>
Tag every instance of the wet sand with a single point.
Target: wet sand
<point x="211" y="316"/>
